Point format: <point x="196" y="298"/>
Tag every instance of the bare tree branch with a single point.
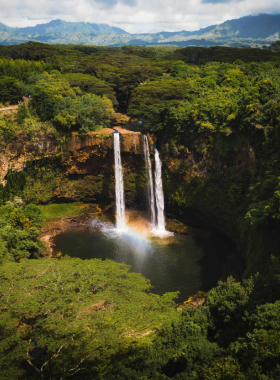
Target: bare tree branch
<point x="32" y="365"/>
<point x="73" y="369"/>
<point x="47" y="362"/>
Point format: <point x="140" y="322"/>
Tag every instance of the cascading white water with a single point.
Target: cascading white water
<point x="120" y="205"/>
<point x="150" y="183"/>
<point x="160" y="228"/>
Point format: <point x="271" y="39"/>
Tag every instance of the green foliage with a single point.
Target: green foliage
<point x="53" y="99"/>
<point x="32" y="125"/>
<point x="46" y="94"/>
<point x="73" y="316"/>
<point x="151" y="101"/>
<point x="8" y="129"/>
<point x="217" y="120"/>
<point x="227" y="299"/>
<point x="14" y="186"/>
<point x="60" y="210"/>
<point x="180" y="69"/>
<point x="89" y="112"/>
<point x="34" y="214"/>
<point x="10" y="90"/>
<point x="92" y="113"/>
<point x="103" y="321"/>
<point x="22" y="114"/>
<point x="91" y="85"/>
<point x="20" y="68"/>
<point x="18" y="232"/>
<point x="234" y="335"/>
<point x="200" y="55"/>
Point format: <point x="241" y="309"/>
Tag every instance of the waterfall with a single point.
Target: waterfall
<point x="150" y="184"/>
<point x="159" y="195"/>
<point x="120" y="205"/>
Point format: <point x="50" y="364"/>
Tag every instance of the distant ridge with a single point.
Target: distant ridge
<point x="261" y="26"/>
<point x="60" y="26"/>
<point x="262" y="29"/>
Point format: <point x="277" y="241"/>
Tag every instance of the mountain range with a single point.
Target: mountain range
<point x="256" y="30"/>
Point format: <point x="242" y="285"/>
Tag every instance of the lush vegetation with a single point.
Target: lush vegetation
<point x="234" y="335"/>
<point x="60" y="210"/>
<point x="78" y="319"/>
<point x="19" y="231"/>
<point x="76" y="88"/>
<point x="57" y="104"/>
<point x="220" y="138"/>
<point x="73" y="314"/>
<point x="216" y="115"/>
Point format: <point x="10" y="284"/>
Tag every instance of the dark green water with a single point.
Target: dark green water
<point x="180" y="263"/>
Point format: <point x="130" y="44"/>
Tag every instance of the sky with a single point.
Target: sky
<point x="135" y="16"/>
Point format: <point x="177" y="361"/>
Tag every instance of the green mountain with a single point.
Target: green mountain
<point x="247" y="31"/>
<point x="61" y="27"/>
<point x="56" y="31"/>
<point x="260" y="27"/>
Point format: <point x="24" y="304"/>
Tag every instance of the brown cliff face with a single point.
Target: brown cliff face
<point x="15" y="155"/>
<point x="211" y="184"/>
<point x="203" y="187"/>
<point x="198" y="163"/>
<point x="79" y="168"/>
<point x="205" y="183"/>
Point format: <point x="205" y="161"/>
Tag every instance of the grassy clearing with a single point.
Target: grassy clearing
<point x="60" y="210"/>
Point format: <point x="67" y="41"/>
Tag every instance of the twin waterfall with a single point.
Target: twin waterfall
<point x="120" y="205"/>
<point x="150" y="182"/>
<point x="155" y="197"/>
<point x="159" y="195"/>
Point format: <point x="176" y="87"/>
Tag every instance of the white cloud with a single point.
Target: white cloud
<point x="135" y="16"/>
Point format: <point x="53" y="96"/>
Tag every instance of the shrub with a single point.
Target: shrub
<point x="8" y="129"/>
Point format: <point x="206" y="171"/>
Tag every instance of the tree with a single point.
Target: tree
<point x="22" y="113"/>
<point x="20" y="68"/>
<point x="53" y="99"/>
<point x="10" y="90"/>
<point x="18" y="232"/>
<point x="180" y="69"/>
<point x="67" y="317"/>
<point x="8" y="128"/>
<point x="92" y="113"/>
<point x="151" y="101"/>
<point x="89" y="84"/>
<point x="88" y="113"/>
<point x="47" y="93"/>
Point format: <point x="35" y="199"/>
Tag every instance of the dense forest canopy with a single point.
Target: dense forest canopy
<point x="72" y="319"/>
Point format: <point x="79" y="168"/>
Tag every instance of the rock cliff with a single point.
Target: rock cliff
<point x="203" y="187"/>
<point x="77" y="168"/>
<point x="208" y="183"/>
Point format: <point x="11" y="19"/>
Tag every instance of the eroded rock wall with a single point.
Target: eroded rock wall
<point x="212" y="188"/>
<point x="77" y="168"/>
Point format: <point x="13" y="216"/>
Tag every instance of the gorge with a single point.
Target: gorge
<point x="124" y="158"/>
<point x="196" y="262"/>
<point x="87" y="174"/>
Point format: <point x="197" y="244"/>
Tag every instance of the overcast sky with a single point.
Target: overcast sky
<point x="135" y="16"/>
